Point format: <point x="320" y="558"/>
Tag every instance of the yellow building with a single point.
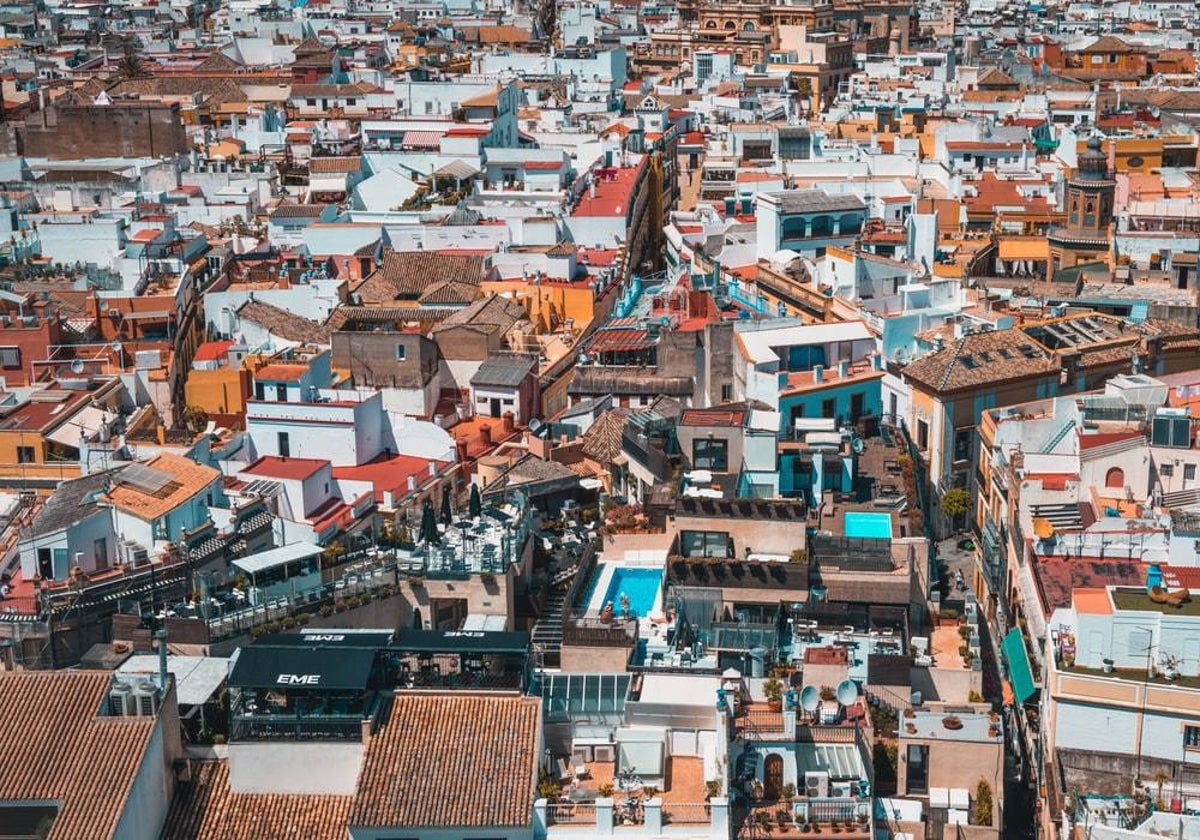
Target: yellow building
<point x="217" y="387"/>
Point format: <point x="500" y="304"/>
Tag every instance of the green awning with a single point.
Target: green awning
<point x="1019" y="672"/>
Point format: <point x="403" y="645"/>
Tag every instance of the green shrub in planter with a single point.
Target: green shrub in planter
<point x="303" y="619"/>
<point x="325" y="611"/>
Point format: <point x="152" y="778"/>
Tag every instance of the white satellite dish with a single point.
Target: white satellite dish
<point x="847" y="692"/>
<point x="810" y="698"/>
<point x="77" y="366"/>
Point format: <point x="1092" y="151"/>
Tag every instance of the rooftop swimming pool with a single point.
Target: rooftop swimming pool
<point x="870" y="525"/>
<point x="640" y="585"/>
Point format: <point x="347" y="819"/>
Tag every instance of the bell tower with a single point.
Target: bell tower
<point x="1089" y="205"/>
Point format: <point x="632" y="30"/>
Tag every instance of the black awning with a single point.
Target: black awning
<point x="373" y="639"/>
<point x="310" y="668"/>
<point x="460" y="641"/>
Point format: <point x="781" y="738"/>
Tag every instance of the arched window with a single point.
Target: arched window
<point x="730" y="25"/>
<point x="712" y="24"/>
<point x="849" y="224"/>
<point x="748" y="26"/>
<point x="822" y="226"/>
<point x="1115" y="478"/>
<point x="794" y="228"/>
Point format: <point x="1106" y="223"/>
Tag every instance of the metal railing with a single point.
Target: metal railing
<point x="290" y="727"/>
<point x="571" y="813"/>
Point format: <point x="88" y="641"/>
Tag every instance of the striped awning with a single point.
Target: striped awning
<point x="422" y="139"/>
<point x="613" y="341"/>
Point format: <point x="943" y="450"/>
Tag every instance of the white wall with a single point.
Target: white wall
<point x="295" y="767"/>
<point x="150" y="795"/>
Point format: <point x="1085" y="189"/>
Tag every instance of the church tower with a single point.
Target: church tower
<point x="1089" y="205"/>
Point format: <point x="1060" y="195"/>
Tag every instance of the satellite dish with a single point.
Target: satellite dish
<point x="810" y="698"/>
<point x="847" y="692"/>
<point x="77" y="366"/>
<point x="116" y="347"/>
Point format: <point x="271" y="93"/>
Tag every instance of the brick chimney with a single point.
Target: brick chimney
<point x="507" y="423"/>
<point x="485" y="433"/>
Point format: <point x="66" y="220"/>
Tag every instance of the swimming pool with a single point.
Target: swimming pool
<point x="870" y="525"/>
<point x="640" y="585"/>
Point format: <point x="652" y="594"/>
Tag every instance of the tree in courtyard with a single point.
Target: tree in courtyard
<point x="956" y="503"/>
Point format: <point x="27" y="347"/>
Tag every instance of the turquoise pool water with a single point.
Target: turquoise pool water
<point x="871" y="525"/>
<point x="641" y="585"/>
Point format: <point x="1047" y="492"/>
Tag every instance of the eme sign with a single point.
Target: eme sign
<point x="324" y="637"/>
<point x="298" y="679"/>
<point x="463" y="634"/>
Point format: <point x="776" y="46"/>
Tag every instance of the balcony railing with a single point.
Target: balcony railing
<point x="571" y="813"/>
<point x="261" y="727"/>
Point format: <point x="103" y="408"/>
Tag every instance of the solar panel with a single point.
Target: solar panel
<point x="144" y="478"/>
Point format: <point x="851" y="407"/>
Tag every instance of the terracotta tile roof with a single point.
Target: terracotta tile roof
<point x="206" y="808"/>
<point x="602" y="441"/>
<point x="451" y="760"/>
<point x="187" y="479"/>
<point x="411" y="272"/>
<point x="281" y="372"/>
<point x="56" y="747"/>
<point x="1108" y="44"/>
<point x="450" y="293"/>
<point x="490" y="315"/>
<point x="334" y="165"/>
<point x="963" y="365"/>
<point x="283" y="324"/>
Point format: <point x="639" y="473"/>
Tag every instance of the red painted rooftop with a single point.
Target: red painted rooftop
<point x="296" y="469"/>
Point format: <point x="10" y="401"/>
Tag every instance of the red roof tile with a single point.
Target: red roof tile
<point x="211" y="351"/>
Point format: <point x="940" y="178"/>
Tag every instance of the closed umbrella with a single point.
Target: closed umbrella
<point x="429" y="531"/>
<point x="446" y="507"/>
<point x="476" y="503"/>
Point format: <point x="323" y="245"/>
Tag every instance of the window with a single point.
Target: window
<point x="400" y="352"/>
<point x="281" y="393"/>
<point x="922" y="434"/>
<point x="311" y="103"/>
<point x="705" y="544"/>
<point x="962" y="444"/>
<point x="829" y="408"/>
<point x="285" y="445"/>
<point x="710" y="454"/>
<point x="26" y="455"/>
<point x="1191" y="737"/>
<point x="726" y="393"/>
<point x="260" y="391"/>
<point x="10" y="357"/>
<point x="1189" y="472"/>
<point x="1166" y="470"/>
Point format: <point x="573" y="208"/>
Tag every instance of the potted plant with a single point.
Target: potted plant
<point x="487" y="578"/>
<point x="1108" y="665"/>
<point x="863" y="818"/>
<point x="1169" y="666"/>
<point x="827" y="693"/>
<point x="952" y="722"/>
<point x="712" y="788"/>
<point x="764" y="819"/>
<point x="416" y="582"/>
<point x="789" y="791"/>
<point x="773" y="689"/>
<point x="783" y="820"/>
<point x="605" y="790"/>
<point x="649" y="791"/>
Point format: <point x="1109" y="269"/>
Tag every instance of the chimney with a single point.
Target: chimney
<point x="433" y="469"/>
<point x="507" y="422"/>
<point x="162" y="661"/>
<point x="485" y="434"/>
<point x="460" y="447"/>
<point x="843" y="368"/>
<point x="818" y="373"/>
<point x="412" y="483"/>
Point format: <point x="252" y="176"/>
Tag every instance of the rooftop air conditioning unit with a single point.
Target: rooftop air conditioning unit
<point x="120" y="701"/>
<point x="145" y="697"/>
<point x="138" y="556"/>
<point x="816" y="784"/>
<point x="604" y="753"/>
